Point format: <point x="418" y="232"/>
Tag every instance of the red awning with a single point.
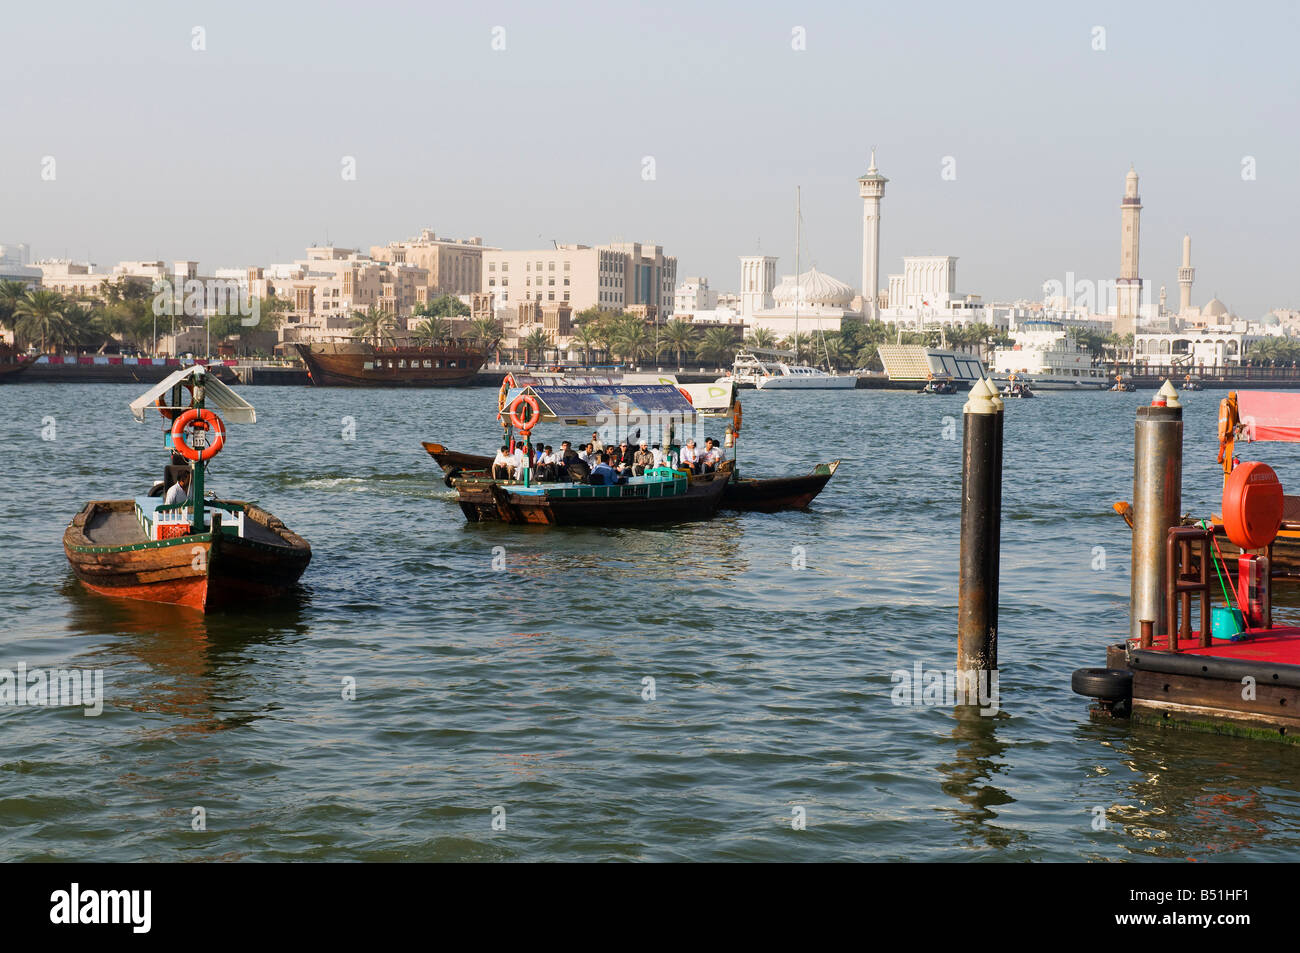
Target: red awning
<point x="1269" y="415"/>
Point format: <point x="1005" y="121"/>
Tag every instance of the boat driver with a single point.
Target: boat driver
<point x="180" y="490"/>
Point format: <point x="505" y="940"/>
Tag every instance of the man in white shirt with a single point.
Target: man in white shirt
<point x="503" y="464"/>
<point x="658" y="456"/>
<point x="690" y="457"/>
<point x="712" y="455"/>
<point x="179" y="492"/>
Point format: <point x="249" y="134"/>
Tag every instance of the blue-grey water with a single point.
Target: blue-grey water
<point x="520" y="693"/>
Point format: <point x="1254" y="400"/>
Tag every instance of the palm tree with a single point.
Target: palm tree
<point x="679" y="336"/>
<point x="39" y="314"/>
<point x="585" y="335"/>
<point x="719" y="344"/>
<point x="796" y="343"/>
<point x="606" y="332"/>
<point x="633" y="340"/>
<point x="433" y="331"/>
<point x="11" y="292"/>
<point x="486" y="333"/>
<point x="536" y="340"/>
<point x="763" y="337"/>
<point x="373" y="325"/>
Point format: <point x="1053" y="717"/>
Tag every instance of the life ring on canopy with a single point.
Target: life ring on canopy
<point x="687" y="394"/>
<point x="527" y="400"/>
<point x="736" y="416"/>
<point x="171" y="413"/>
<point x="202" y="420"/>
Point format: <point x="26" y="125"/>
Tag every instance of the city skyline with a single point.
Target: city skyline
<point x="243" y="146"/>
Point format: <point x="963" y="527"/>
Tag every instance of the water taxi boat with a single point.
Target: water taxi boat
<point x="765" y="495"/>
<point x="942" y="385"/>
<point x="662" y="494"/>
<point x="1016" y="388"/>
<point x="204" y="553"/>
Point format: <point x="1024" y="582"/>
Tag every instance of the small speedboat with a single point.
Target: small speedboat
<point x="1017" y="389"/>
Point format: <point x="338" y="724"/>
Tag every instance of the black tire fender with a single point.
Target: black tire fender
<point x="1108" y="684"/>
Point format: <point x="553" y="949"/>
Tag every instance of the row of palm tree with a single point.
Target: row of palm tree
<point x="56" y="322"/>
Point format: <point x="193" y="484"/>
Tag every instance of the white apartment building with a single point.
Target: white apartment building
<point x="620" y="277"/>
<point x="693" y="295"/>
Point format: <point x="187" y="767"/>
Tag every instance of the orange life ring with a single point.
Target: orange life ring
<point x="529" y="401"/>
<point x="169" y="413"/>
<point x="687" y="394"/>
<point x="1227" y="426"/>
<point x="202" y="420"/>
<point x="736" y="416"/>
<point x="1252" y="505"/>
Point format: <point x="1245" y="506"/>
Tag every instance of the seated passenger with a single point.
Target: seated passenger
<point x="602" y="474"/>
<point x="690" y="457"/>
<point x="641" y="459"/>
<point x="712" y="455"/>
<point x="503" y="464"/>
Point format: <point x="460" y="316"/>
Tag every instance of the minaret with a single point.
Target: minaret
<point x="871" y="187"/>
<point x="1186" y="275"/>
<point x="1128" y="287"/>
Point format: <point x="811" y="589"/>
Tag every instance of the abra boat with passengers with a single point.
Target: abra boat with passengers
<point x="172" y="544"/>
<point x="659" y="494"/>
<point x="757" y="494"/>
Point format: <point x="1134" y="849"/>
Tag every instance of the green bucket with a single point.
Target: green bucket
<point x="1226" y="623"/>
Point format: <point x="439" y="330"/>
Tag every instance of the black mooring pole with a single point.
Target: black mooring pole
<point x="981" y="528"/>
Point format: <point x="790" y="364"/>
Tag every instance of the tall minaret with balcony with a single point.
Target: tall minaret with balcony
<point x="1128" y="287"/>
<point x="871" y="187"/>
<point x="1186" y="275"/>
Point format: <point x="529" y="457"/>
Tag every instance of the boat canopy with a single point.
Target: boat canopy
<point x="1269" y="415"/>
<point x="216" y="396"/>
<point x="589" y="406"/>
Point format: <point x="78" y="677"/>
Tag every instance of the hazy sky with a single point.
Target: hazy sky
<point x="233" y="154"/>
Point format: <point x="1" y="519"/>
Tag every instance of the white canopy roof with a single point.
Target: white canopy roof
<point x="216" y="396"/>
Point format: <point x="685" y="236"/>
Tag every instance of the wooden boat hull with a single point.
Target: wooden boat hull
<point x="779" y="493"/>
<point x="454" y="458"/>
<point x="487" y="500"/>
<point x="762" y="496"/>
<point x="361" y="365"/>
<point x="198" y="571"/>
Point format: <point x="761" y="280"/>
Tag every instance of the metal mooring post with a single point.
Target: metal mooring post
<point x="981" y="529"/>
<point x="1157" y="499"/>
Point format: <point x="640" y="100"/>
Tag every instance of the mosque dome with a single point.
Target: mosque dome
<point x="1270" y="318"/>
<point x="1214" y="308"/>
<point x="813" y="289"/>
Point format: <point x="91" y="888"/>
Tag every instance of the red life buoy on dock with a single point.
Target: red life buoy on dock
<point x="202" y="420"/>
<point x="1252" y="505"/>
<point x="526" y="400"/>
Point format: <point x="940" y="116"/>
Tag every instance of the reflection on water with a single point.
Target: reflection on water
<point x="977" y="761"/>
<point x="200" y="668"/>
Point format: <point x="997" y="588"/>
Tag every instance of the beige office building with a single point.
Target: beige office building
<point x="455" y="266"/>
<point x="620" y="277"/>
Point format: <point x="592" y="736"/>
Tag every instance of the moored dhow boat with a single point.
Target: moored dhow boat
<point x="12" y="363"/>
<point x="173" y="545"/>
<point x="359" y="364"/>
<point x="660" y="494"/>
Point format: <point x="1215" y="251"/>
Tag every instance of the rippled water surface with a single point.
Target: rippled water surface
<point x="523" y="688"/>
